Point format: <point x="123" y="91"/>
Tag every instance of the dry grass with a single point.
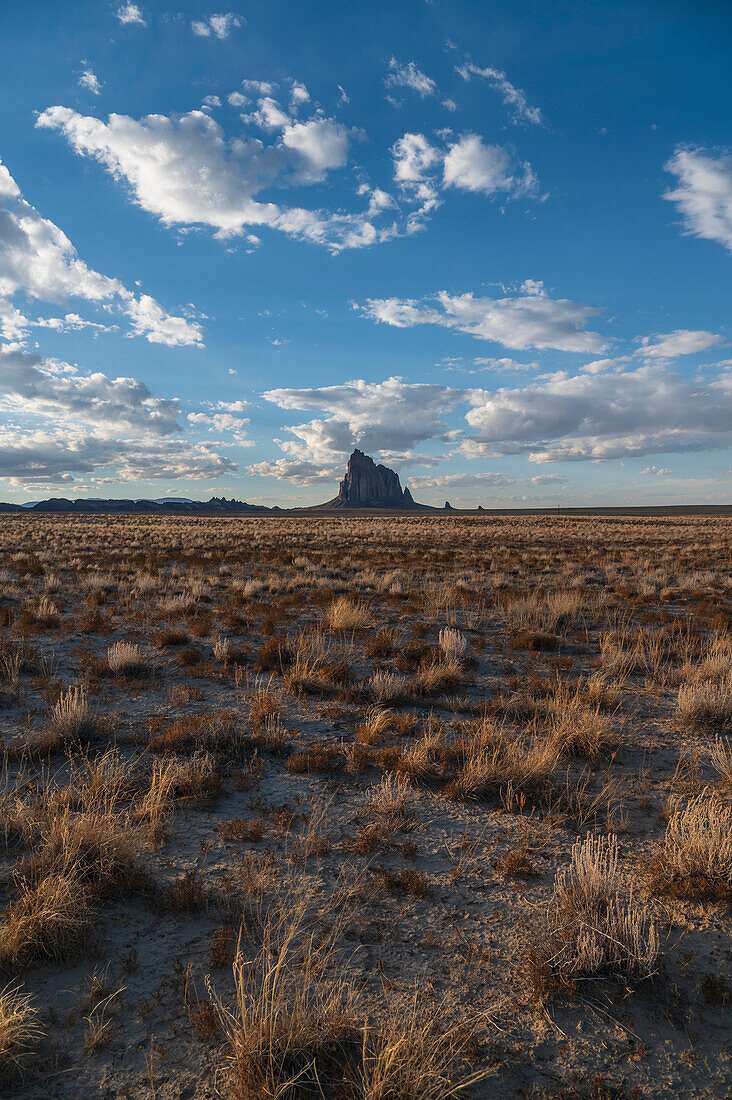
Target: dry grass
<point x="296" y="1029"/>
<point x="20" y="1032"/>
<point x="695" y="857"/>
<point x="368" y="751"/>
<point x="592" y="930"/>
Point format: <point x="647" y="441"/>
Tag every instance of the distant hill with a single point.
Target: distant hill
<point x="161" y="506"/>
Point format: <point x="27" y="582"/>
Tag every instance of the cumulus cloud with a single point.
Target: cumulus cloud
<point x="34" y="386"/>
<point x="90" y="423"/>
<point x="223" y="422"/>
<point x="531" y="321"/>
<point x="657" y="471"/>
<point x="90" y="81"/>
<point x="681" y="342"/>
<point x="548" y="479"/>
<point x="322" y="143"/>
<point x="299" y="472"/>
<point x="472" y="165"/>
<point x="184" y="171"/>
<point x="464" y="481"/>
<point x="158" y="327"/>
<point x="44" y="457"/>
<point x="513" y="97"/>
<point x="608" y="415"/>
<point x="421" y="168"/>
<point x="218" y="25"/>
<point x="379" y="417"/>
<point x="130" y="13"/>
<point x="409" y="76"/>
<point x="38" y="260"/>
<point x="703" y="193"/>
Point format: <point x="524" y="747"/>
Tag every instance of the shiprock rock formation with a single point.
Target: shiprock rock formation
<point x="367" y="485"/>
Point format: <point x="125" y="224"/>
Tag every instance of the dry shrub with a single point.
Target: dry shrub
<point x="19" y="1032"/>
<point x="388" y="801"/>
<point x="575" y="728"/>
<point x="436" y="677"/>
<point x="345" y="614"/>
<point x="297" y="1029"/>
<point x="220" y="733"/>
<point x="592" y="931"/>
<point x="376" y="724"/>
<point x="73" y="718"/>
<point x="387" y="687"/>
<point x="720" y="756"/>
<point x="50" y="919"/>
<point x="84" y="844"/>
<point x="453" y="644"/>
<point x="127" y="659"/>
<point x="695" y="856"/>
<point x="493" y="761"/>
<point x="706" y="704"/>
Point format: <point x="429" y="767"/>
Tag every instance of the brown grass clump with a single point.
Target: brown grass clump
<point x="592" y="931"/>
<point x="50" y="919"/>
<point x="73" y="718"/>
<point x="576" y="729"/>
<point x="296" y="1030"/>
<point x="345" y="614"/>
<point x="127" y="659"/>
<point x="706" y="704"/>
<point x="695" y="856"/>
<point x="19" y="1032"/>
<point x="494" y="762"/>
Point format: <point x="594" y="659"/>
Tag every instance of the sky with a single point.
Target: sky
<point x="490" y="244"/>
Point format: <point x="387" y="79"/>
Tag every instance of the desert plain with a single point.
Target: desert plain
<point x="366" y="807"/>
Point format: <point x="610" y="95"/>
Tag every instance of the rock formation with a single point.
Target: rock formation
<point x="367" y="485"/>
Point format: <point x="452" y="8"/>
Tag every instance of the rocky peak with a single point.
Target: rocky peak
<point x="367" y="485"/>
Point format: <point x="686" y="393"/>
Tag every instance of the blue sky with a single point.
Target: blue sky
<point x="490" y="244"/>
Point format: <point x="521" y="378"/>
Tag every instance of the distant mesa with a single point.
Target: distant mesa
<point x="367" y="485"/>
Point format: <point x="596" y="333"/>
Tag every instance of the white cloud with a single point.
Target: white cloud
<point x="158" y="327"/>
<point x="89" y="81"/>
<point x="38" y="387"/>
<point x="218" y="25"/>
<point x="472" y="165"/>
<point x="464" y="481"/>
<point x="186" y="173"/>
<point x="220" y="422"/>
<point x="514" y="98"/>
<point x="91" y="423"/>
<point x="231" y="406"/>
<point x="322" y="143"/>
<point x="703" y="195"/>
<point x="601" y="416"/>
<point x="413" y="158"/>
<point x="299" y="472"/>
<point x="409" y="76"/>
<point x="211" y="101"/>
<point x="130" y="13"/>
<point x="268" y="115"/>
<point x="298" y="95"/>
<point x="38" y="260"/>
<point x="534" y="320"/>
<point x="390" y="416"/>
<point x="43" y="457"/>
<point x="657" y="471"/>
<point x="503" y="364"/>
<point x="548" y="479"/>
<point x="681" y="342"/>
<point x="236" y="99"/>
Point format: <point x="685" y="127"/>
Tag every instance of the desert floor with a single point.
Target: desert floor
<point x="355" y="807"/>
